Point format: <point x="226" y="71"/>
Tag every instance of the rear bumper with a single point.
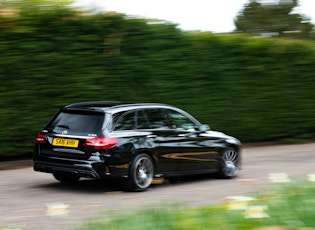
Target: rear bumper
<point x="83" y="170"/>
<point x="94" y="167"/>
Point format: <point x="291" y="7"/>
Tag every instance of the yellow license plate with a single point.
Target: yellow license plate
<point x="65" y="142"/>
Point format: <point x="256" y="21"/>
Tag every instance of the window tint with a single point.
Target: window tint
<point x="142" y="121"/>
<point x="83" y="122"/>
<point x="157" y="118"/>
<point x="125" y="121"/>
<point x="180" y="121"/>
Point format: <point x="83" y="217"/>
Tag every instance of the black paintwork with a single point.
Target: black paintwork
<point x="174" y="151"/>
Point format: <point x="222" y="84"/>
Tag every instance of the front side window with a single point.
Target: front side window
<point x="180" y="121"/>
<point x="157" y="119"/>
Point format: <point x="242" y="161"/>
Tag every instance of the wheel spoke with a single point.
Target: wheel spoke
<point x="230" y="163"/>
<point x="143" y="173"/>
<point x="230" y="155"/>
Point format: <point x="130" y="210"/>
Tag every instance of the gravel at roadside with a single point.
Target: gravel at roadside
<point x="7" y="165"/>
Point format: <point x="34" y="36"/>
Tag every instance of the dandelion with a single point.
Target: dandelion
<point x="279" y="178"/>
<point x="238" y="202"/>
<point x="311" y="177"/>
<point x="258" y="211"/>
<point x="57" y="209"/>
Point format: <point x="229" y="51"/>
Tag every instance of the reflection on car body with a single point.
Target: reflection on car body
<point x="137" y="142"/>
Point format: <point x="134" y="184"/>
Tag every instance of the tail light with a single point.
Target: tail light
<point x="40" y="138"/>
<point x="101" y="142"/>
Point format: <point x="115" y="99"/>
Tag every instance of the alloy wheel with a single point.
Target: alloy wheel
<point x="230" y="167"/>
<point x="143" y="172"/>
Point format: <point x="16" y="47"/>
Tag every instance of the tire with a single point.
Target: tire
<point x="230" y="164"/>
<point x="66" y="178"/>
<point x="140" y="173"/>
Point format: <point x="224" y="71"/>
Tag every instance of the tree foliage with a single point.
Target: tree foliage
<point x="276" y="18"/>
<point x="243" y="86"/>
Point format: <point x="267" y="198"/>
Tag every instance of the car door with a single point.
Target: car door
<point x="148" y="131"/>
<point x="194" y="152"/>
<point x="162" y="137"/>
<point x="178" y="146"/>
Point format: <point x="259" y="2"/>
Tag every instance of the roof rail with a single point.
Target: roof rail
<point x="94" y="104"/>
<point x="137" y="104"/>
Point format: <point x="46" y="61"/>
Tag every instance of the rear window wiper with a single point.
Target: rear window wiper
<point x="63" y="126"/>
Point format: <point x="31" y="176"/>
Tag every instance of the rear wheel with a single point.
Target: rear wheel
<point x="66" y="177"/>
<point x="140" y="173"/>
<point x="230" y="163"/>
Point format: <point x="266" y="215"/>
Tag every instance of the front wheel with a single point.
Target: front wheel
<point x="230" y="163"/>
<point x="140" y="173"/>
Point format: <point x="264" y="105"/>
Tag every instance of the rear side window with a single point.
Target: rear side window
<point x="142" y="121"/>
<point x="76" y="121"/>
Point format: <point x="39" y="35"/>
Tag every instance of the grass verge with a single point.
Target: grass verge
<point x="288" y="206"/>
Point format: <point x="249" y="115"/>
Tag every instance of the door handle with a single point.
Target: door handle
<point x="151" y="136"/>
<point x="184" y="135"/>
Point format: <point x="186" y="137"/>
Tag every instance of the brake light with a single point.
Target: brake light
<point x="101" y="142"/>
<point x="40" y="138"/>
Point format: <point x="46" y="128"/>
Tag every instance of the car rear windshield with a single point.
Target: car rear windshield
<point x="90" y="122"/>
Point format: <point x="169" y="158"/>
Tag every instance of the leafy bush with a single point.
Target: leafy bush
<point x="253" y="88"/>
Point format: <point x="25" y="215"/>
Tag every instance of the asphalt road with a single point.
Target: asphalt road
<point x="33" y="200"/>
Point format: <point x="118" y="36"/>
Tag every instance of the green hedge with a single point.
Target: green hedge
<point x="256" y="89"/>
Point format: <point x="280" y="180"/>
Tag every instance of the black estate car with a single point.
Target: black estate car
<point x="136" y="142"/>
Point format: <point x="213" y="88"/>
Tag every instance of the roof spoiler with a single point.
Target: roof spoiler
<point x="94" y="104"/>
